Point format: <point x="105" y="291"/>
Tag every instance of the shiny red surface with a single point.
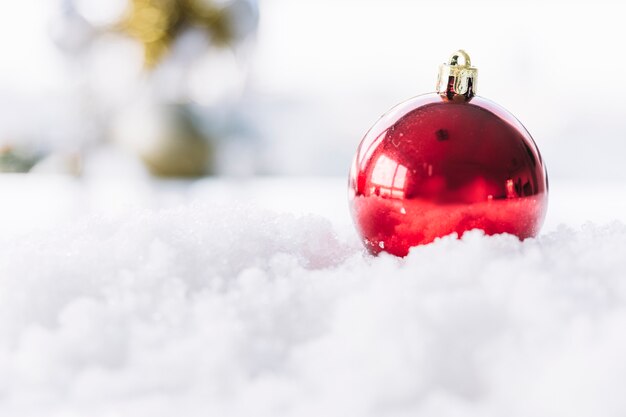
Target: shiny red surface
<point x="431" y="167"/>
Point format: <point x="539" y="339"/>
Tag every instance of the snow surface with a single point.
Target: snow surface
<point x="254" y="298"/>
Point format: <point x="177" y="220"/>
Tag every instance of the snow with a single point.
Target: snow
<point x="254" y="298"/>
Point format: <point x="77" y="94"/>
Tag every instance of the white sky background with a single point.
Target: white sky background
<point x="549" y="63"/>
<point x="325" y="70"/>
<point x="29" y="61"/>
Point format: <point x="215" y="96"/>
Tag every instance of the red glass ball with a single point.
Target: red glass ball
<point x="432" y="166"/>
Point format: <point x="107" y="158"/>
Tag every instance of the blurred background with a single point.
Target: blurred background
<point x="187" y="88"/>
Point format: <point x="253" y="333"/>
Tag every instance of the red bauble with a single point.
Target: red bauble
<point x="443" y="163"/>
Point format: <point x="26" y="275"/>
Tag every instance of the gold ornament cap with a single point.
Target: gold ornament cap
<point x="457" y="78"/>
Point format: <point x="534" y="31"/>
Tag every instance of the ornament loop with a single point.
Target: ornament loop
<point x="454" y="59"/>
<point x="457" y="80"/>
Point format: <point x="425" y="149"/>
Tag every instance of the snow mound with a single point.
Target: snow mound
<point x="199" y="311"/>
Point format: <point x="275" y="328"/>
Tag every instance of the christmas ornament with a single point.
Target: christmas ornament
<point x="446" y="162"/>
